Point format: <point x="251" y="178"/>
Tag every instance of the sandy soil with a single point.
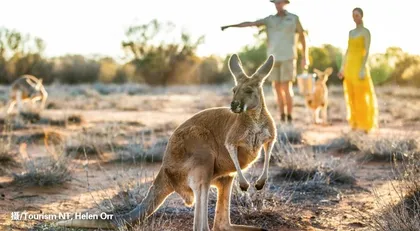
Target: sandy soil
<point x="122" y="116"/>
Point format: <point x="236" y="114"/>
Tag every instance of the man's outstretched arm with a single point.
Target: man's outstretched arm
<point x="244" y="24"/>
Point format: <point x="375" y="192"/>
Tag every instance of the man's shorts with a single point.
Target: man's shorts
<point x="283" y="71"/>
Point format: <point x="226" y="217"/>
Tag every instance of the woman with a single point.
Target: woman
<point x="362" y="109"/>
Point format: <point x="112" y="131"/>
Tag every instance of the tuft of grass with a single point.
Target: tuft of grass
<point x="52" y="227"/>
<point x="86" y="146"/>
<point x="141" y="152"/>
<point x="40" y="137"/>
<point x="404" y="215"/>
<point x="128" y="197"/>
<point x="373" y="149"/>
<point x="7" y="156"/>
<point x="12" y="122"/>
<point x="45" y="172"/>
<point x="68" y="120"/>
<point x="303" y="165"/>
<point x="256" y="208"/>
<point x="144" y="147"/>
<point x="75" y="119"/>
<point x="48" y="171"/>
<point x="289" y="134"/>
<point x="390" y="149"/>
<point x="316" y="191"/>
<point x="30" y="116"/>
<point x="82" y="151"/>
<point x="347" y="143"/>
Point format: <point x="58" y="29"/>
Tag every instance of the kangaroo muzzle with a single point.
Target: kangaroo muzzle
<point x="237" y="107"/>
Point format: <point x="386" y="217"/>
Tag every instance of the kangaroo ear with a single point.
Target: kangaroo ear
<point x="318" y="72"/>
<point x="235" y="67"/>
<point x="265" y="69"/>
<point x="38" y="84"/>
<point x="328" y="71"/>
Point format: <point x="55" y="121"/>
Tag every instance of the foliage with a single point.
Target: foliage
<point x="159" y="62"/>
<point x="76" y="69"/>
<point x="21" y="54"/>
<point x="158" y="54"/>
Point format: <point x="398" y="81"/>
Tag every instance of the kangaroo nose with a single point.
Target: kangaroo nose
<point x="234" y="104"/>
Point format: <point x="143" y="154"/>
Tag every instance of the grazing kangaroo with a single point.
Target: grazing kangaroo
<point x="318" y="100"/>
<point x="208" y="149"/>
<point x="26" y="88"/>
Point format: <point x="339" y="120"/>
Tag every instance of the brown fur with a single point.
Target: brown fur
<point x="208" y="149"/>
<point x="318" y="100"/>
<point x="26" y="88"/>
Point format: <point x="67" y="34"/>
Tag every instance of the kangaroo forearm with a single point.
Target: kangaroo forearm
<point x="268" y="148"/>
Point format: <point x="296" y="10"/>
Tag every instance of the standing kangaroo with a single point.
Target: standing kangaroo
<point x="206" y="150"/>
<point x="317" y="100"/>
<point x="26" y="88"/>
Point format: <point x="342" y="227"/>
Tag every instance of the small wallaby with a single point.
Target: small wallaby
<point x="26" y="88"/>
<point x="317" y="100"/>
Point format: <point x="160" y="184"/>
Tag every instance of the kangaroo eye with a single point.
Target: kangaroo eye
<point x="233" y="90"/>
<point x="249" y="91"/>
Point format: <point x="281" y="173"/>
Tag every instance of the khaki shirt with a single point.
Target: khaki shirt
<point x="281" y="35"/>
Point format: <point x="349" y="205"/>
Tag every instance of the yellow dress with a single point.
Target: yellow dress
<point x="361" y="103"/>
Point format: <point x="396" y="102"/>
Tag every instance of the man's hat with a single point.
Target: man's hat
<point x="278" y="1"/>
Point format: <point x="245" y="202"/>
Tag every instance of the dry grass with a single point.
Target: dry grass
<point x="247" y="208"/>
<point x="66" y="121"/>
<point x="289" y="134"/>
<point x="306" y="165"/>
<point x="40" y="136"/>
<point x="11" y="123"/>
<point x="388" y="149"/>
<point x="112" y="147"/>
<point x="43" y="172"/>
<point x="374" y="149"/>
<point x="306" y="178"/>
<point x="30" y="116"/>
<point x="128" y="196"/>
<point x="47" y="171"/>
<point x="140" y="152"/>
<point x="404" y="215"/>
<point x="347" y="143"/>
<point x="7" y="156"/>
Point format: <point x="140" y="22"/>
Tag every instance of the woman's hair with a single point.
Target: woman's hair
<point x="358" y="9"/>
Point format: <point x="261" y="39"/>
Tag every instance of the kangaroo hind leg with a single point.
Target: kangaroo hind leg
<point x="156" y="195"/>
<point x="199" y="181"/>
<point x="222" y="215"/>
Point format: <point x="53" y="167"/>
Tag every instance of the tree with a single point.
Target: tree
<point x="22" y="54"/>
<point x="159" y="62"/>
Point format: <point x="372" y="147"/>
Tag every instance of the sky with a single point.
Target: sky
<point x="97" y="26"/>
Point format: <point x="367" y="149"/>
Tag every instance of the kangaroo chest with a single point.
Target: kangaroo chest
<point x="255" y="138"/>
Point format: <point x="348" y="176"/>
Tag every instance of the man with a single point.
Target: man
<point x="281" y="31"/>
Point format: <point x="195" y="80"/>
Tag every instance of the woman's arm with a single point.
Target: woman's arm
<point x="366" y="34"/>
<point x="343" y="62"/>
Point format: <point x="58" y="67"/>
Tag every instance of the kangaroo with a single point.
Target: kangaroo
<point x="26" y="88"/>
<point x="318" y="100"/>
<point x="207" y="150"/>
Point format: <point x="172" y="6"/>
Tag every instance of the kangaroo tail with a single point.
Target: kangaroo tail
<point x="160" y="189"/>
